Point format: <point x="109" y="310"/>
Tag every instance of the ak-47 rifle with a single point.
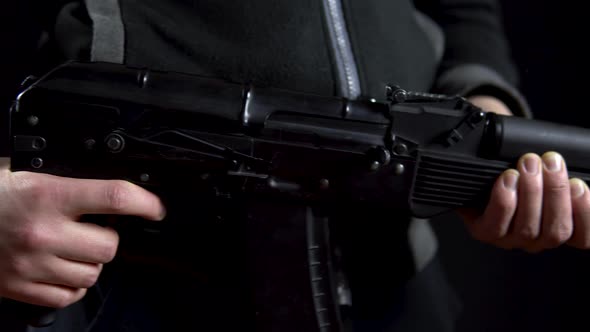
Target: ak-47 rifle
<point x="422" y="153"/>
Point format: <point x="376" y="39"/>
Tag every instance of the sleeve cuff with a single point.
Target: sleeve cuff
<point x="472" y="79"/>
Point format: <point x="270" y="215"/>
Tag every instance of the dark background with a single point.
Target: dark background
<point x="501" y="290"/>
<point x="510" y="290"/>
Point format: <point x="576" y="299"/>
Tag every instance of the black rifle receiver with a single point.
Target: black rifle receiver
<point x="424" y="153"/>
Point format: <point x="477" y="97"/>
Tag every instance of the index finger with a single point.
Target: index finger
<point x="85" y="196"/>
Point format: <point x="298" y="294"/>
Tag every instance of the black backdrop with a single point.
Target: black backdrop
<point x="515" y="291"/>
<point x="501" y="290"/>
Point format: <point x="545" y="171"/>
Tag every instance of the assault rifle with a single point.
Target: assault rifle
<point x="417" y="152"/>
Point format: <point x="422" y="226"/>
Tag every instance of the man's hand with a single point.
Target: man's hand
<point x="47" y="257"/>
<point x="535" y="206"/>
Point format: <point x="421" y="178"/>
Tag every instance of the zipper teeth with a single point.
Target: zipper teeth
<point x="345" y="62"/>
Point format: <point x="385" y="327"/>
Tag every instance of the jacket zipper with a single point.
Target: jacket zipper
<point x="346" y="68"/>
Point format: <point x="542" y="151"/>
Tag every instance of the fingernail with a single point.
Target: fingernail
<point x="531" y="164"/>
<point x="510" y="179"/>
<point x="552" y="161"/>
<point x="577" y="188"/>
<point x="163" y="213"/>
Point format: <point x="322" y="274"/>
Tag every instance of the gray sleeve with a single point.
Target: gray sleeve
<point x="471" y="79"/>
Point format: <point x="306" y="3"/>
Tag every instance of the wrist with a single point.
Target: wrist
<point x="490" y="104"/>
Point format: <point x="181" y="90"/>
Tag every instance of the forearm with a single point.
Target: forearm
<point x="476" y="59"/>
<point x="474" y="34"/>
<point x="490" y="104"/>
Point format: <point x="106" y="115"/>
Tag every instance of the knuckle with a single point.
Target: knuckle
<point x="31" y="238"/>
<point x="58" y="193"/>
<point x="90" y="278"/>
<point x="34" y="188"/>
<point x="20" y="266"/>
<point x="118" y="195"/>
<point x="79" y="294"/>
<point x="559" y="188"/>
<point x="558" y="236"/>
<point x="63" y="299"/>
<point x="107" y="252"/>
<point x="527" y="233"/>
<point x="494" y="233"/>
<point x="565" y="231"/>
<point x="505" y="205"/>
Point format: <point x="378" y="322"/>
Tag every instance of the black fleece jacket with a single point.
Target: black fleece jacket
<point x="458" y="46"/>
<point x="350" y="48"/>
